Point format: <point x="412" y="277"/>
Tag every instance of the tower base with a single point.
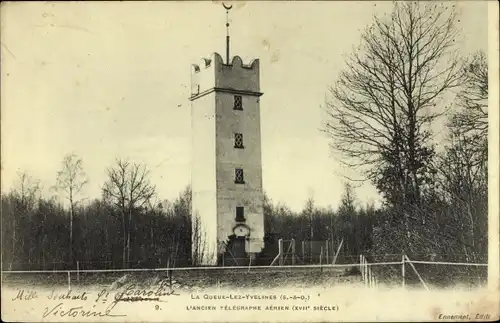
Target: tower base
<point x="240" y="251"/>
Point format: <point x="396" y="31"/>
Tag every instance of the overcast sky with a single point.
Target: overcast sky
<point x="107" y="80"/>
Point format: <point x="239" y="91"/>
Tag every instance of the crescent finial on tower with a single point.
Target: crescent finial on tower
<point x="227" y="30"/>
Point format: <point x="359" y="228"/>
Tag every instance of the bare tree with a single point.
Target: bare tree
<point x="308" y="213"/>
<point x="474" y="96"/>
<point x="70" y="181"/>
<point x="27" y="191"/>
<point x="387" y="97"/>
<point x="463" y="180"/>
<point x="348" y="200"/>
<point x="472" y="118"/>
<point x="199" y="241"/>
<point x="128" y="187"/>
<point x="347" y="216"/>
<point x="463" y="167"/>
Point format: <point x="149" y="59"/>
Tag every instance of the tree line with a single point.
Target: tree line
<point x="129" y="226"/>
<point x="126" y="227"/>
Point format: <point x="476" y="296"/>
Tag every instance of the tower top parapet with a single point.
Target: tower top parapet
<point x="212" y="74"/>
<point x="216" y="58"/>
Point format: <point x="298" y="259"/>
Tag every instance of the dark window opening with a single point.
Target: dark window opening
<point x="238" y="140"/>
<point x="238" y="176"/>
<point x="240" y="213"/>
<point x="238" y="105"/>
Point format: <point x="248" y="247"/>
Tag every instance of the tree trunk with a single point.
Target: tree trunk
<point x="472" y="233"/>
<point x="124" y="254"/>
<point x="128" y="234"/>
<point x="13" y="238"/>
<point x="71" y="234"/>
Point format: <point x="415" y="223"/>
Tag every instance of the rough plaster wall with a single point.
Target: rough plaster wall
<point x="230" y="194"/>
<point x="203" y="172"/>
<point x="237" y="76"/>
<point x="204" y="79"/>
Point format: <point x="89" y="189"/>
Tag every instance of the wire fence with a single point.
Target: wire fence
<point x="286" y="262"/>
<point x="278" y="252"/>
<point x="403" y="272"/>
<point x="442" y="274"/>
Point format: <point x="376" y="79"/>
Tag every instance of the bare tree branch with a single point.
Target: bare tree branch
<point x="128" y="188"/>
<point x="70" y="180"/>
<point x="388" y="95"/>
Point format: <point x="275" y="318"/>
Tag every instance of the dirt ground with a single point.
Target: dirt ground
<point x="195" y="279"/>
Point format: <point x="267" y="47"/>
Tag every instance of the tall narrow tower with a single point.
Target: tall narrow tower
<point x="226" y="161"/>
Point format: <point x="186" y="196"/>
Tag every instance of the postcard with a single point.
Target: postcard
<point x="259" y="161"/>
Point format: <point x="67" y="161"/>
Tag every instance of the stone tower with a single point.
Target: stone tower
<point x="226" y="179"/>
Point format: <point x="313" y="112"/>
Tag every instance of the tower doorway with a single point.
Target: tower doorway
<point x="236" y="254"/>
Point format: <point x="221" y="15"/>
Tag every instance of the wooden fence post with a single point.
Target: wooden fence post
<point x="326" y="246"/>
<point x="366" y="270"/>
<point x="249" y="261"/>
<point x="77" y="270"/>
<point x="311" y="251"/>
<point x="69" y="280"/>
<point x="360" y="264"/>
<point x="403" y="271"/>
<point x="280" y="251"/>
<point x="337" y="253"/>
<point x="363" y="268"/>
<point x="293" y="251"/>
<point x="369" y="280"/>
<point x="416" y="272"/>
<point x="321" y="259"/>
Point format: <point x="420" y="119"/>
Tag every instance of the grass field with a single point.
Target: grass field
<point x="193" y="279"/>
